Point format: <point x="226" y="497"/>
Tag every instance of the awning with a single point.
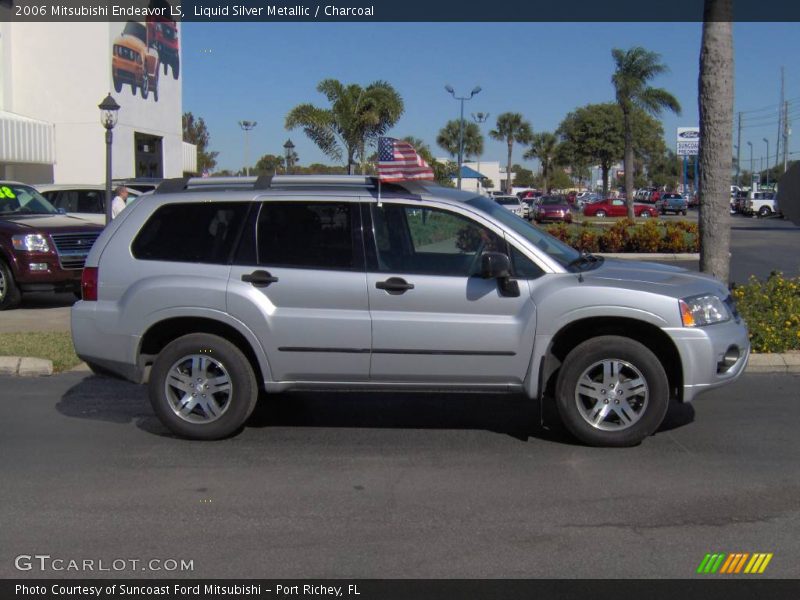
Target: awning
<point x="25" y="140"/>
<point x="467" y="173"/>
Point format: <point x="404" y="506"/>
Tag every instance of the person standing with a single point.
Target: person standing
<point x="119" y="201"/>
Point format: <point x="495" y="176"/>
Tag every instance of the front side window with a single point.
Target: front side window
<point x="429" y="241"/>
<point x="308" y="235"/>
<point x="196" y="232"/>
<point x="16" y="199"/>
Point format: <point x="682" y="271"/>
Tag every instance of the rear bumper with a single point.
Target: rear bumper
<point x="91" y="335"/>
<point x="702" y="350"/>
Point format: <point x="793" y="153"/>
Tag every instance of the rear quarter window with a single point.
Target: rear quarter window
<point x="197" y="232"/>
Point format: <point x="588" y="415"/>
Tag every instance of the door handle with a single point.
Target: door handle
<point x="259" y="278"/>
<point x="395" y="285"/>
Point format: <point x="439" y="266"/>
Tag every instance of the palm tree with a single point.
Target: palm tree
<point x="544" y="146"/>
<point x="511" y="127"/>
<point x="716" y="136"/>
<point x="447" y="139"/>
<point x="356" y="118"/>
<point x="635" y="68"/>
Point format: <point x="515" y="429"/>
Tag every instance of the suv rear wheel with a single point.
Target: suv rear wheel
<point x="612" y="391"/>
<point x="10" y="296"/>
<point x="202" y="387"/>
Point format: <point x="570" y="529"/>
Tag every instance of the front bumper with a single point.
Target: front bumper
<point x="702" y="350"/>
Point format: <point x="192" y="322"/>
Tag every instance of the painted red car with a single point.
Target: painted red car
<point x="616" y="207"/>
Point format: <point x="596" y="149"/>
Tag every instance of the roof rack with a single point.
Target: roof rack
<point x="265" y="182"/>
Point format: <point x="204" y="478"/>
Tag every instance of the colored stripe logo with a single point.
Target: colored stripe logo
<point x="735" y="563"/>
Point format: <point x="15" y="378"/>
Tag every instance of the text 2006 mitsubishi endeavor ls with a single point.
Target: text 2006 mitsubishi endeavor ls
<point x="215" y="289"/>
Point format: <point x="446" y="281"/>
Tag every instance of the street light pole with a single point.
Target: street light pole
<point x="751" y="166"/>
<point x="246" y="127"/>
<point x="479" y="118"/>
<point x="452" y="92"/>
<point x="767" y="142"/>
<point x="288" y="147"/>
<point x="108" y="119"/>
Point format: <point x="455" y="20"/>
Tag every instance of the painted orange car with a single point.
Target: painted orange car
<point x="134" y="62"/>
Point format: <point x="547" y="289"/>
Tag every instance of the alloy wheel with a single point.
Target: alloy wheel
<point x="612" y="395"/>
<point x="198" y="388"/>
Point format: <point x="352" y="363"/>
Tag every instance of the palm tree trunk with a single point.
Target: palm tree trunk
<point x="716" y="137"/>
<point x="627" y="163"/>
<point x="508" y="168"/>
<point x="350" y="154"/>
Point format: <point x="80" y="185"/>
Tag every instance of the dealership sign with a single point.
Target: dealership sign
<point x="688" y="141"/>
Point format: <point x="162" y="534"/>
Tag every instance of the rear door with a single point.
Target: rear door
<point x="434" y="320"/>
<point x="299" y="284"/>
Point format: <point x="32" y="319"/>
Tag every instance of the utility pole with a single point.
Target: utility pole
<point x="479" y="118"/>
<point x="739" y="150"/>
<point x="786" y="132"/>
<point x="780" y="123"/>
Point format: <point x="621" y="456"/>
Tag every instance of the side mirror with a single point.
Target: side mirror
<point x="495" y="265"/>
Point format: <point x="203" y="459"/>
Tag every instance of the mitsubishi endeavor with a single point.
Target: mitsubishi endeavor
<point x="211" y="290"/>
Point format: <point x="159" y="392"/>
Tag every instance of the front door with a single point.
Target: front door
<point x="302" y="289"/>
<point x="434" y="319"/>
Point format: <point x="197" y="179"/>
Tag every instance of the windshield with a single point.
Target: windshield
<point x="16" y="199"/>
<point x="559" y="251"/>
<point x="507" y="201"/>
<point x="552" y="200"/>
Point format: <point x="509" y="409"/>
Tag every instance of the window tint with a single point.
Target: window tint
<point x="191" y="232"/>
<point x="90" y="201"/>
<point x="307" y="235"/>
<point x="431" y="242"/>
<point x="524" y="267"/>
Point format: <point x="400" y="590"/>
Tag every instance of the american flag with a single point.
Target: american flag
<point x="398" y="161"/>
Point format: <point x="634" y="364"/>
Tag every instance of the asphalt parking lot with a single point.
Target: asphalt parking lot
<point x="367" y="485"/>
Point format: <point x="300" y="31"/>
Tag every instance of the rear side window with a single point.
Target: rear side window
<point x="191" y="232"/>
<point x="308" y="235"/>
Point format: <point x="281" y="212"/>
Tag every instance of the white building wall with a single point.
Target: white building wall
<point x="59" y="73"/>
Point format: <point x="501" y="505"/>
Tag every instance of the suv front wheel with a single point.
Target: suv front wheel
<point x="612" y="391"/>
<point x="202" y="387"/>
<point x="10" y="296"/>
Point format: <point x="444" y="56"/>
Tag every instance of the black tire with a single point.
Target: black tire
<point x="225" y="358"/>
<point x="632" y="356"/>
<point x="117" y="85"/>
<point x="683" y="212"/>
<point x="133" y="88"/>
<point x="10" y="296"/>
<point x="176" y="69"/>
<point x="600" y="213"/>
<point x="166" y="66"/>
<point x="764" y="211"/>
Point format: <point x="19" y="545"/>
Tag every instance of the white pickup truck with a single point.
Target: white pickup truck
<point x="761" y="203"/>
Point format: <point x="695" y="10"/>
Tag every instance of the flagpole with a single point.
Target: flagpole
<point x="379" y="191"/>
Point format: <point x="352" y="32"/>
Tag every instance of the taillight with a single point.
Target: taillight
<point x="89" y="284"/>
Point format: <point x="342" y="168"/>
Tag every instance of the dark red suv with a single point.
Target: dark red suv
<point x="41" y="248"/>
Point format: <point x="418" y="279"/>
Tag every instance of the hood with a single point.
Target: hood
<point x="662" y="279"/>
<point x="46" y="224"/>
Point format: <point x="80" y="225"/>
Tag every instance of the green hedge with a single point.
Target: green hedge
<point x="627" y="236"/>
<point x="771" y="310"/>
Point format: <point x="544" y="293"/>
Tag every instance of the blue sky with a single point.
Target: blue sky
<point x="259" y="71"/>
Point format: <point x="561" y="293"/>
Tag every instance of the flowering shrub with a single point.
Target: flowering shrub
<point x="771" y="310"/>
<point x="627" y="236"/>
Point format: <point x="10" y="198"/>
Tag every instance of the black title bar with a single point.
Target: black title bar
<point x="392" y="11"/>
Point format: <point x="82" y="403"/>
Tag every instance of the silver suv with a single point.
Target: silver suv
<point x="215" y="289"/>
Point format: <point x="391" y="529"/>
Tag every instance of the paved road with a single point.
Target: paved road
<point x="365" y="485"/>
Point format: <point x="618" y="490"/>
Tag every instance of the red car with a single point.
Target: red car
<point x="552" y="208"/>
<point x="615" y="207"/>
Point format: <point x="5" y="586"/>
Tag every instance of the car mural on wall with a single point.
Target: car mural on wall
<point x="135" y="61"/>
<point x="163" y="36"/>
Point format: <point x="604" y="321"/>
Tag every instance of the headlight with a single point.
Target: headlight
<point x="33" y="242"/>
<point x="703" y="310"/>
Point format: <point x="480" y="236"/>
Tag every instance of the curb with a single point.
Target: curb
<point x="788" y="362"/>
<point x="650" y="255"/>
<point x="25" y="366"/>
